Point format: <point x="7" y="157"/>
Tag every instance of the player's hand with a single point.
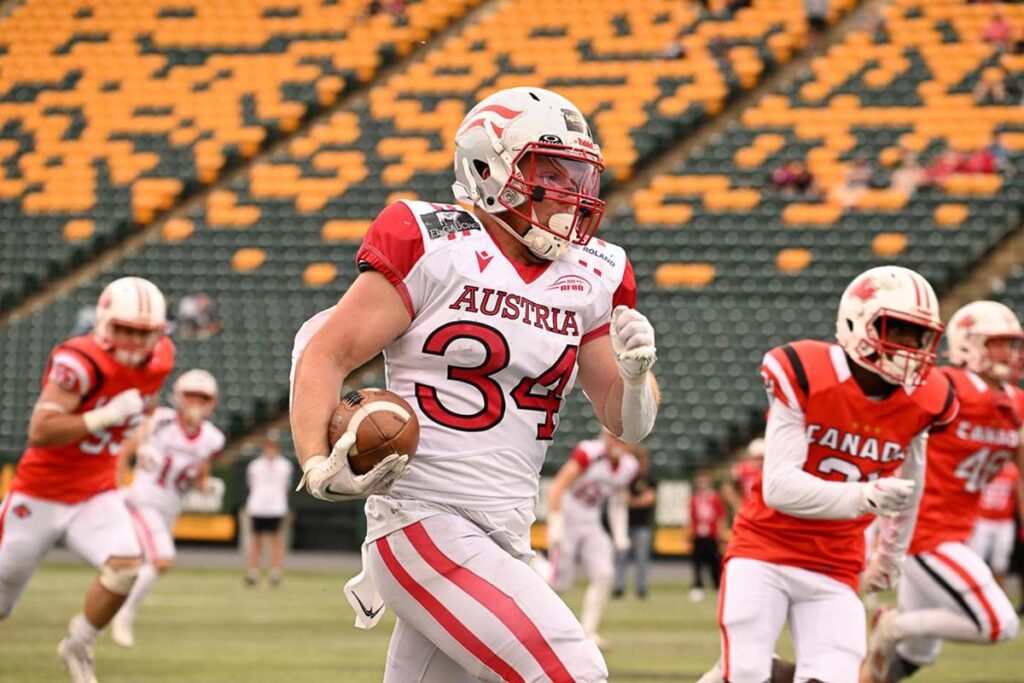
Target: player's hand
<point x="883" y="574"/>
<point x="331" y="478"/>
<point x="633" y="343"/>
<point x="886" y="497"/>
<point x="622" y="544"/>
<point x="117" y="410"/>
<point x="555" y="528"/>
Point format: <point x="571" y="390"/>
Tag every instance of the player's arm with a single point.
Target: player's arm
<point x="789" y="489"/>
<point x="563" y="481"/>
<point x="368" y="317"/>
<point x="730" y="495"/>
<point x="54" y="422"/>
<point x="618" y="519"/>
<point x="625" y="400"/>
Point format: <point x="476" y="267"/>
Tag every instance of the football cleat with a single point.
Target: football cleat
<point x="881" y="645"/>
<point x="77" y="659"/>
<point x="121" y="631"/>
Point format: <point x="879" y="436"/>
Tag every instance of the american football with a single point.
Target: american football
<point x="383" y="422"/>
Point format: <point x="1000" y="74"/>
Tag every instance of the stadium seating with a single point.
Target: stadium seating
<point x="113" y="111"/>
<point x="277" y="244"/>
<point x="751" y="266"/>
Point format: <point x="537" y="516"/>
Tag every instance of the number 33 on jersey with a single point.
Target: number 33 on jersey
<point x="502" y="336"/>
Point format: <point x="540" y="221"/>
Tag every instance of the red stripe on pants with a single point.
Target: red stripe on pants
<point x="455" y="628"/>
<point x="497" y="602"/>
<point x="144" y="534"/>
<point x="976" y="589"/>
<point x="721" y="627"/>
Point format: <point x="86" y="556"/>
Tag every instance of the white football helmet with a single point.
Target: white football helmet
<point x="881" y="303"/>
<point x="195" y="396"/>
<point x="973" y="327"/>
<point x="522" y="150"/>
<point x="756" y="448"/>
<point x="135" y="303"/>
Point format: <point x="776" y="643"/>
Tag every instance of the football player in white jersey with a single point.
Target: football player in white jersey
<point x="173" y="455"/>
<point x="599" y="471"/>
<point x="486" y="317"/>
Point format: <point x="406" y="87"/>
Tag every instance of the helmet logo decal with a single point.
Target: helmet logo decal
<point x="548" y="137"/>
<point x="968" y="321"/>
<point x="574" y="121"/>
<point x="864" y="290"/>
<point x="493" y="114"/>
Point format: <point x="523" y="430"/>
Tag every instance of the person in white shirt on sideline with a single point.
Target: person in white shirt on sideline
<point x="269" y="478"/>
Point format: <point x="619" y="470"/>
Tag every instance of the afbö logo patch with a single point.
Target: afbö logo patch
<point x="571" y="283"/>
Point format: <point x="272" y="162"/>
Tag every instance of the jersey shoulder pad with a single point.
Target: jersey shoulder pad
<point x="787" y="370"/>
<point x="938" y="397"/>
<point x="216" y="438"/>
<point x="611" y="265"/>
<point x="586" y="453"/>
<point x="163" y="356"/>
<point x="74" y="369"/>
<point x="393" y="244"/>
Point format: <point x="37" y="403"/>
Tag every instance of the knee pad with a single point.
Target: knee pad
<point x="118" y="580"/>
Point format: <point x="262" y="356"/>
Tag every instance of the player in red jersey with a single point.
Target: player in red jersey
<point x="948" y="593"/>
<point x="993" y="535"/>
<point x="95" y="390"/>
<point x="745" y="474"/>
<point x="846" y="435"/>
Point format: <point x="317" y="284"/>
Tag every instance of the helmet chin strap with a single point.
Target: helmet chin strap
<point x="542" y="243"/>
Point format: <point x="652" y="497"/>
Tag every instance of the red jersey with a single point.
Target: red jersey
<point x="746" y="473"/>
<point x="964" y="457"/>
<point x="999" y="498"/>
<point x="850" y="437"/>
<point x="706" y="512"/>
<point x="76" y="471"/>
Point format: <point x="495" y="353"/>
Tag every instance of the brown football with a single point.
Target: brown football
<point x="383" y="422"/>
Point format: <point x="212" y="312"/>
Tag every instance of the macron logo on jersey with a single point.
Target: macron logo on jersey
<point x="515" y="307"/>
<point x="855" y="445"/>
<point x="483" y="259"/>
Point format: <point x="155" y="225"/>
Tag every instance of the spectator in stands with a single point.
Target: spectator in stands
<point x="998" y="31"/>
<point x="855" y="183"/>
<point x="979" y="161"/>
<point x="794" y="178"/>
<point x="1001" y="153"/>
<point x="993" y="87"/>
<point x="909" y="175"/>
<point x="269" y="478"/>
<point x="707" y="524"/>
<point x="675" y="49"/>
<point x="643" y="494"/>
<point x="817" y="15"/>
<point x="197" y="316"/>
<point x="945" y="164"/>
<point x="85" y="320"/>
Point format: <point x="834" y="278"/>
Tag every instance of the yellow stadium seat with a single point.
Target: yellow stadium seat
<point x="78" y="230"/>
<point x="247" y="259"/>
<point x="688" y="275"/>
<point x="344" y="231"/>
<point x="889" y="244"/>
<point x="177" y="230"/>
<point x="951" y="215"/>
<point x="319" y="274"/>
<point x="793" y="260"/>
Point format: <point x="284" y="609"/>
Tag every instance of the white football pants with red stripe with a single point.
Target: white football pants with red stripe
<point x="949" y="593"/>
<point x="95" y="529"/>
<point x="469" y="611"/>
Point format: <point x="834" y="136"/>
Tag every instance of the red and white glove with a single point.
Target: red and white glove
<point x="117" y="410"/>
<point x="332" y="479"/>
<point x="887" y="497"/>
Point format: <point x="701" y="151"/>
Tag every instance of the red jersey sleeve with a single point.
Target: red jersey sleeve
<point x="73" y="371"/>
<point x="938" y="397"/>
<point x="784" y="377"/>
<point x="624" y="295"/>
<point x="392" y="246"/>
<point x="581" y="457"/>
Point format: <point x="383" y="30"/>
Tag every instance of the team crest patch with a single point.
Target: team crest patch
<point x="571" y="283"/>
<point x="573" y="121"/>
<point x="21" y="511"/>
<point x="444" y="222"/>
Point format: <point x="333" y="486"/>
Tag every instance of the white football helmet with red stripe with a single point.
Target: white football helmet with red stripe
<point x="134" y="303"/>
<point x="523" y="146"/>
<point x="887" y="302"/>
<point x="195" y="396"/>
<point x="986" y="338"/>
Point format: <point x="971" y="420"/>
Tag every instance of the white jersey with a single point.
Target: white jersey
<point x="602" y="477"/>
<point x="491" y="350"/>
<point x="169" y="461"/>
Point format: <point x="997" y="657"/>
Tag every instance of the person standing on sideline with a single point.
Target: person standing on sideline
<point x="269" y="477"/>
<point x="707" y="521"/>
<point x="643" y="494"/>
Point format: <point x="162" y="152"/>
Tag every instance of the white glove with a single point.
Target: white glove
<point x="886" y="497"/>
<point x="118" y="409"/>
<point x="147" y="457"/>
<point x="556" y="528"/>
<point x="622" y="543"/>
<point x="883" y="574"/>
<point x="331" y="478"/>
<point x="633" y="343"/>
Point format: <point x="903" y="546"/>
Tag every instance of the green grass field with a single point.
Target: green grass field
<point x="203" y="626"/>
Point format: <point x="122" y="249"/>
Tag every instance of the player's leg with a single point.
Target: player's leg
<point x="412" y="658"/>
<point x="826" y="619"/>
<point x="700" y="563"/>
<point x="486" y="610"/>
<point x="947" y="594"/>
<point x="752" y="608"/>
<point x="100" y="532"/>
<point x="642" y="555"/>
<point x="596" y="553"/>
<point x="1002" y="550"/>
<point x="621" y="565"/>
<point x="28" y="529"/>
<point x="563" y="558"/>
<point x="153" y="531"/>
<point x="276" y="540"/>
<point x="255" y="550"/>
<point x="982" y="539"/>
